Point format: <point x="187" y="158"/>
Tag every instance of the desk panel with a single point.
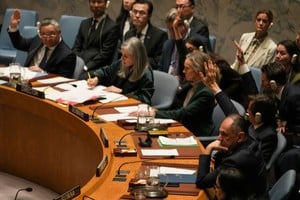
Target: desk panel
<point x="44" y="143"/>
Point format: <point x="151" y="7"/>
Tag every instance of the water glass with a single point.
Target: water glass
<point x="14" y="74"/>
<point x="143" y="117"/>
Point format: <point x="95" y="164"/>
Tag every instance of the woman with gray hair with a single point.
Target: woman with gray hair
<point x="131" y="75"/>
<point x="194" y="105"/>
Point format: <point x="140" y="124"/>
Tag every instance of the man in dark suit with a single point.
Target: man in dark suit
<point x="47" y="51"/>
<point x="274" y="80"/>
<point x="234" y="149"/>
<point x="187" y="8"/>
<point x="152" y="37"/>
<point x="97" y="38"/>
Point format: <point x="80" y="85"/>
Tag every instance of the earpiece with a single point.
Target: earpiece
<point x="257" y="117"/>
<point x="271" y="24"/>
<point x="107" y="4"/>
<point x="201" y="48"/>
<point x="38" y="24"/>
<point x="273" y="85"/>
<point x="294" y="58"/>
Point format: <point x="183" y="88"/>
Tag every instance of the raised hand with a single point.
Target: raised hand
<point x="239" y="53"/>
<point x="15" y="19"/>
<point x="209" y="78"/>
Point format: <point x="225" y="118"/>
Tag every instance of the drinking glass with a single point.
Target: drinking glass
<point x="14" y="74"/>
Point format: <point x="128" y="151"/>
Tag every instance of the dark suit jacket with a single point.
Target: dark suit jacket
<point x="197" y="115"/>
<point x="246" y="157"/>
<point x="167" y="51"/>
<point x="142" y="89"/>
<point x="62" y="60"/>
<point x="267" y="136"/>
<point x="154" y="40"/>
<point x="289" y="107"/>
<point x="200" y="28"/>
<point x="98" y="49"/>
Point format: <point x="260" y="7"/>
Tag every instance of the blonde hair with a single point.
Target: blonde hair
<point x="198" y="59"/>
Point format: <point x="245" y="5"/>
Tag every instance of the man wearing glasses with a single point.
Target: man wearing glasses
<point x="46" y="51"/>
<point x="152" y="37"/>
<point x="187" y="8"/>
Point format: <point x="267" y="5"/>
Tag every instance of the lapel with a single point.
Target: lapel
<point x="148" y="37"/>
<point x="247" y="42"/>
<point x="94" y="36"/>
<point x="32" y="53"/>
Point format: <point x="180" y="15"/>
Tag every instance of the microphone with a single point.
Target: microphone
<point x="97" y="120"/>
<point x="121" y="174"/>
<point x="121" y="143"/>
<point x="29" y="189"/>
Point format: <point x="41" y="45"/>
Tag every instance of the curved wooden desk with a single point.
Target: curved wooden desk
<point x="44" y="143"/>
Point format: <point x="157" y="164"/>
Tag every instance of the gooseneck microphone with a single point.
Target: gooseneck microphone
<point x="29" y="189"/>
<point x="96" y="120"/>
<point x="119" y="143"/>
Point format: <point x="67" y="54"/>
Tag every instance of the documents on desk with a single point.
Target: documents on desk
<point x="166" y="141"/>
<point x="159" y="152"/>
<point x="78" y="92"/>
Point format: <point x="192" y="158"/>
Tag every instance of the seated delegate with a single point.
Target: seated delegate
<point x="193" y="107"/>
<point x="47" y="51"/>
<point x="131" y="75"/>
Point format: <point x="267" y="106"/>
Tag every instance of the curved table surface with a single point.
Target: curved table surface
<point x="42" y="142"/>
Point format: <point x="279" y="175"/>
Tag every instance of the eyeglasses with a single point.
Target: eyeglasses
<point x="182" y="6"/>
<point x="46" y="36"/>
<point x="140" y="12"/>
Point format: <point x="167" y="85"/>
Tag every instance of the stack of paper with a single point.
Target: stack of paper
<point x="188" y="141"/>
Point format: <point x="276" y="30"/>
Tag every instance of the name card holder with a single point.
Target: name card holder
<point x="100" y="168"/>
<point x="74" y="192"/>
<point x="26" y="89"/>
<point x="103" y="137"/>
<point x="79" y="113"/>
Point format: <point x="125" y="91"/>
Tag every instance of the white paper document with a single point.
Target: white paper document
<point x="187" y="141"/>
<point x="175" y="170"/>
<point x="116" y="116"/>
<point x="159" y="152"/>
<point x="54" y="80"/>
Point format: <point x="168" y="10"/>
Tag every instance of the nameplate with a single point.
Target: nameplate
<point x="69" y="194"/>
<point x="76" y="111"/>
<point x="28" y="90"/>
<point x="101" y="166"/>
<point x="103" y="137"/>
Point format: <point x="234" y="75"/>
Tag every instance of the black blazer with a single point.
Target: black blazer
<point x="98" y="49"/>
<point x="62" y="60"/>
<point x="154" y="40"/>
<point x="246" y="157"/>
<point x="289" y="107"/>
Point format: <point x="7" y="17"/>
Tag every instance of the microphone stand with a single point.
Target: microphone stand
<point x="29" y="189"/>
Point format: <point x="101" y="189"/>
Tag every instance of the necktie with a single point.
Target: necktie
<point x="44" y="59"/>
<point x="93" y="26"/>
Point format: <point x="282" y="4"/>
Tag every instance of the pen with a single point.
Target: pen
<point x="86" y="69"/>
